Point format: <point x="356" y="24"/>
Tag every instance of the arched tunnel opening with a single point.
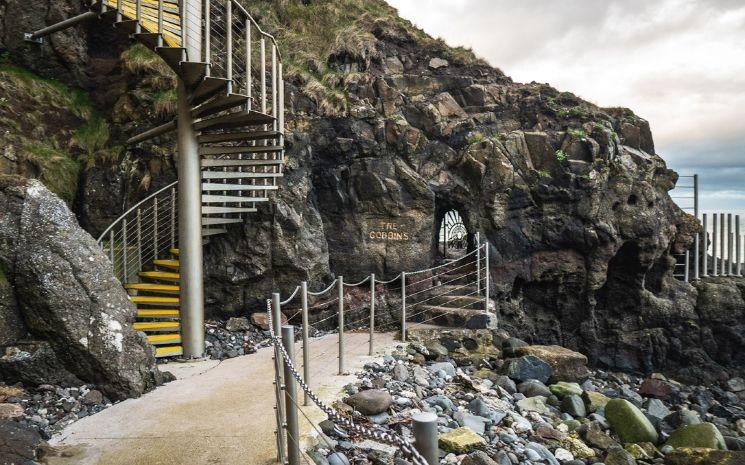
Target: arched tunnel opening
<point x="452" y="236"/>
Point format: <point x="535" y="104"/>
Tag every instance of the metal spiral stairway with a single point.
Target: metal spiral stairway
<point x="236" y="99"/>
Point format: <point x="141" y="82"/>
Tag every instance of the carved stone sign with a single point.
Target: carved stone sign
<point x="389" y="229"/>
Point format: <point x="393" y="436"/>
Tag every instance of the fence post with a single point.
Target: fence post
<point x="125" y="246"/>
<point x="340" y="283"/>
<point x="291" y="407"/>
<point x="403" y="306"/>
<point x="722" y="245"/>
<point x="478" y="263"/>
<point x="714" y="247"/>
<point x="278" y="410"/>
<point x="686" y="272"/>
<point x="306" y="347"/>
<point x="425" y="436"/>
<point x="730" y="244"/>
<point x="486" y="276"/>
<point x="696" y="252"/>
<point x="738" y="244"/>
<point x="705" y="248"/>
<point x="372" y="312"/>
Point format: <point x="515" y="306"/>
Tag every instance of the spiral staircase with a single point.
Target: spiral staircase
<point x="231" y="71"/>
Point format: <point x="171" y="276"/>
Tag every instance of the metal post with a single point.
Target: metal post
<point x="207" y="36"/>
<point x="291" y="407"/>
<point x="306" y="342"/>
<point x="372" y="312"/>
<point x="686" y="271"/>
<point x="278" y="374"/>
<point x="722" y="245"/>
<point x="69" y="22"/>
<point x="714" y="241"/>
<point x="425" y="436"/>
<point x="262" y="48"/>
<point x="340" y="284"/>
<point x="696" y="250"/>
<point x="190" y="231"/>
<point x="139" y="239"/>
<point x="478" y="264"/>
<point x="738" y="269"/>
<point x="125" y="265"/>
<point x="229" y="44"/>
<point x="111" y="249"/>
<point x="248" y="64"/>
<point x="705" y="248"/>
<point x="174" y="209"/>
<point x="155" y="228"/>
<point x="138" y="16"/>
<point x="486" y="276"/>
<point x="275" y="113"/>
<point x="403" y="306"/>
<point x="730" y="244"/>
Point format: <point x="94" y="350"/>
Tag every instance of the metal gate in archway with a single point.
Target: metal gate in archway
<point x="453" y="235"/>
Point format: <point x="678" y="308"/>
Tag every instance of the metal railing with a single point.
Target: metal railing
<point x="430" y="295"/>
<point x="142" y="234"/>
<point x="715" y="252"/>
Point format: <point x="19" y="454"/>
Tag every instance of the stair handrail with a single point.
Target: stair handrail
<point x="133" y="208"/>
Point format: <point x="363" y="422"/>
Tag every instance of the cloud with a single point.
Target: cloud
<point x="678" y="63"/>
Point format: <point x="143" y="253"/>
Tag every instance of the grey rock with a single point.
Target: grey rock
<point x="400" y="372"/>
<point x="337" y="458"/>
<point x="478" y="458"/>
<point x="542" y="452"/>
<point x="447" y="367"/>
<point x="370" y="402"/>
<point x="506" y="383"/>
<point x="238" y="324"/>
<point x="529" y="367"/>
<point x="478" y="407"/>
<point x="655" y="408"/>
<point x="736" y="384"/>
<point x="683" y="418"/>
<point x="532" y="388"/>
<point x="442" y="401"/>
<point x="574" y="406"/>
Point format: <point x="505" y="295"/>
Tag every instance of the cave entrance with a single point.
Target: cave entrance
<point x="453" y="236"/>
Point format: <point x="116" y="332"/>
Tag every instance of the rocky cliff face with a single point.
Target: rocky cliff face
<point x="389" y="125"/>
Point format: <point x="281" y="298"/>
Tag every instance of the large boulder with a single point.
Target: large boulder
<point x="461" y="441"/>
<point x="567" y="365"/>
<point x="704" y="435"/>
<point x="529" y="367"/>
<point x="370" y="402"/>
<point x="67" y="295"/>
<point x="629" y="422"/>
<point x="693" y="456"/>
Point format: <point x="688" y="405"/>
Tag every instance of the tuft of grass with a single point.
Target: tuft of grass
<point x="56" y="167"/>
<point x="165" y="102"/>
<point x="92" y="139"/>
<point x="544" y="174"/>
<point x="561" y="156"/>
<point x="577" y="133"/>
<point x="474" y="138"/>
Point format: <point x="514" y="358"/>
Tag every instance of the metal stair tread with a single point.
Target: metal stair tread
<point x="159" y="313"/>
<point x="167" y="263"/>
<point x="233" y="120"/>
<point x="171" y="55"/>
<point x="152" y="287"/>
<point x="207" y="88"/>
<point x="214" y="210"/>
<point x="192" y="72"/>
<point x="445" y="309"/>
<point x="160" y="275"/>
<point x="215" y="186"/>
<point x="213" y="232"/>
<point x="211" y="138"/>
<point x="219" y="103"/>
<point x="174" y="251"/>
<point x="154" y="300"/>
<point x="234" y="149"/>
<point x="231" y="199"/>
<point x="220" y="162"/>
<point x="157" y="326"/>
<point x="168" y="351"/>
<point x="238" y="175"/>
<point x="209" y="221"/>
<point x="171" y="338"/>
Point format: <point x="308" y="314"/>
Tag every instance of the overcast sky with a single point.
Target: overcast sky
<point x="678" y="63"/>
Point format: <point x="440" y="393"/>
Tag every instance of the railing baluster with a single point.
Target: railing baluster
<point x="263" y="74"/>
<point x="738" y="244"/>
<point x="138" y="15"/>
<point x="173" y="218"/>
<point x="155" y="228"/>
<point x="160" y="23"/>
<point x="139" y="239"/>
<point x="249" y="71"/>
<point x="125" y="265"/>
<point x="372" y="312"/>
<point x="403" y="306"/>
<point x="118" y="11"/>
<point x="705" y="248"/>
<point x="111" y="249"/>
<point x="478" y="264"/>
<point x="714" y="248"/>
<point x="229" y="43"/>
<point x="722" y="244"/>
<point x="340" y="283"/>
<point x="207" y="36"/>
<point x="306" y="339"/>
<point x="275" y="114"/>
<point x="730" y="244"/>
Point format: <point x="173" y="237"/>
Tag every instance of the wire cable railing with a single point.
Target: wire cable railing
<point x="459" y="287"/>
<point x="143" y="233"/>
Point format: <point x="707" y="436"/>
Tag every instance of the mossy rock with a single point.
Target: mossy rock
<point x="594" y="400"/>
<point x="702" y="435"/>
<point x="578" y="448"/>
<point x="629" y="423"/>
<point x="461" y="441"/>
<point x="485" y="373"/>
<point x="564" y="388"/>
<point x="693" y="456"/>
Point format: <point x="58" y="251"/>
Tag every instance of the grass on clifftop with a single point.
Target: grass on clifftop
<point x="50" y="130"/>
<point x="312" y="33"/>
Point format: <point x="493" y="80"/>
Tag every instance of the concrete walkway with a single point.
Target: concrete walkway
<point x="214" y="413"/>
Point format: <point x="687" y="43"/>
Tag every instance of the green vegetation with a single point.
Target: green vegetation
<point x="474" y="138"/>
<point x="315" y="37"/>
<point x="577" y="133"/>
<point x="156" y="81"/>
<point x="55" y="131"/>
<point x="561" y="156"/>
<point x="544" y="174"/>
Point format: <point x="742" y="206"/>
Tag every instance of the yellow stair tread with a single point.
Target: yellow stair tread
<point x="156" y="326"/>
<point x="168" y="351"/>
<point x="153" y="287"/>
<point x="170" y="338"/>
<point x="167" y="263"/>
<point x="158" y="312"/>
<point x="174" y="251"/>
<point x="160" y="275"/>
<point x="151" y="299"/>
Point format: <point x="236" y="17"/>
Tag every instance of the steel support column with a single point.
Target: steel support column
<point x="190" y="232"/>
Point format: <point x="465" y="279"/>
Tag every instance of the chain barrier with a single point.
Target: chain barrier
<point x="380" y="436"/>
